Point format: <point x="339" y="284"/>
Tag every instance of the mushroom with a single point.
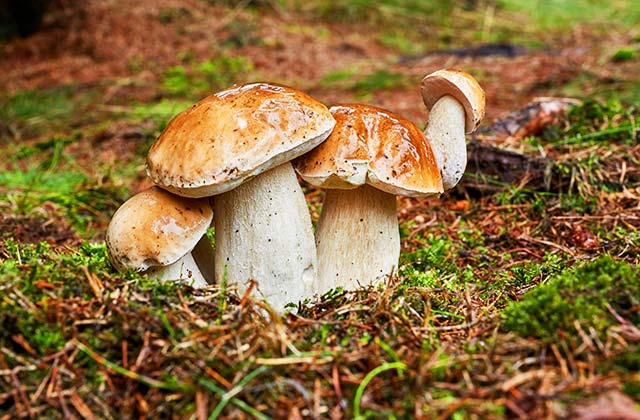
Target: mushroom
<point x="154" y="232"/>
<point x="371" y="156"/>
<point x="237" y="145"/>
<point x="455" y="102"/>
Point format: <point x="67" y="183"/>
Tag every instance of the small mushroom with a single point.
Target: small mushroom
<point x="155" y="231"/>
<point x="371" y="156"/>
<point x="456" y="103"/>
<point x="237" y="145"/>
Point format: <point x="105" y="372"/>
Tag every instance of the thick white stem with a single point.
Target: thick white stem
<point x="357" y="238"/>
<point x="263" y="232"/>
<point x="185" y="268"/>
<point x="445" y="132"/>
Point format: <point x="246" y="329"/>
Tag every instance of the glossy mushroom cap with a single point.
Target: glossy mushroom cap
<point x="234" y="135"/>
<point x="463" y="87"/>
<point x="156" y="228"/>
<point x="374" y="146"/>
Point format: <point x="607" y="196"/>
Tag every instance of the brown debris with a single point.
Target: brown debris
<point x="612" y="405"/>
<point x="527" y="121"/>
<point x="54" y="230"/>
<point x="488" y="162"/>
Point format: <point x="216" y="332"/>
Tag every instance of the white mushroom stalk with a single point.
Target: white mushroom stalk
<point x="456" y="106"/>
<point x="357" y="238"/>
<point x="445" y="131"/>
<point x="154" y="233"/>
<point x="370" y="157"/>
<point x="236" y="145"/>
<point x="263" y="232"/>
<point x="184" y="268"/>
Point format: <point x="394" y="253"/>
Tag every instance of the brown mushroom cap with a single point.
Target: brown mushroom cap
<point x="233" y="135"/>
<point x="156" y="228"/>
<point x="374" y="146"/>
<point x="462" y="86"/>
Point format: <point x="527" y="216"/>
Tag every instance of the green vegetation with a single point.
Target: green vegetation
<point x="588" y="295"/>
<point x="339" y="77"/>
<point x="379" y="80"/>
<point x="408" y="10"/>
<point x="454" y="22"/>
<point x="595" y="122"/>
<point x="402" y="42"/>
<point x="51" y="176"/>
<point x="200" y="79"/>
<point x="625" y="54"/>
<point x="26" y="113"/>
<point x="550" y="14"/>
<point x="363" y="86"/>
<point x="159" y="112"/>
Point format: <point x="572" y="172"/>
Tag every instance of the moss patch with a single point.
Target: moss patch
<point x="577" y="294"/>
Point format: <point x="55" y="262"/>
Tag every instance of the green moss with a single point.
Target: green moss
<point x="382" y="79"/>
<point x="79" y="198"/>
<point x="403" y="42"/>
<point x="577" y="294"/>
<point x="629" y="361"/>
<point x="436" y="252"/>
<point x="338" y="78"/>
<point x="160" y="113"/>
<point x="632" y="388"/>
<point x="197" y="79"/>
<point x="364" y="85"/>
<point x="624" y="54"/>
<point x="596" y="121"/>
<point x="554" y="15"/>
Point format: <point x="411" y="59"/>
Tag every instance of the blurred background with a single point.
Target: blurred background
<point x="167" y="51"/>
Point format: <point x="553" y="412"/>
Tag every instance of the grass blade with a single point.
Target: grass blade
<point x="228" y="396"/>
<point x="150" y="382"/>
<point x="235" y="401"/>
<point x="356" y="399"/>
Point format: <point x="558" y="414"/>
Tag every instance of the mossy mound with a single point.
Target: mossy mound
<point x="578" y="294"/>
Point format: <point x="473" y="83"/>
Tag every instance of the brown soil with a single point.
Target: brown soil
<point x="33" y="230"/>
<point x="96" y="43"/>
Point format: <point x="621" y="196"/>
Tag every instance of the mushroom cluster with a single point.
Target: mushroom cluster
<point x="227" y="162"/>
<point x="371" y="156"/>
<point x="233" y="149"/>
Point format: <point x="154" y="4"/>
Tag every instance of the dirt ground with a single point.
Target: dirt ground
<point x="127" y="46"/>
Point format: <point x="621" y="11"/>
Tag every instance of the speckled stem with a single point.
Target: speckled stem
<point x="263" y="232"/>
<point x="357" y="238"/>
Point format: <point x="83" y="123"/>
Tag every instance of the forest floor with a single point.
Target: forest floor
<point x="517" y="294"/>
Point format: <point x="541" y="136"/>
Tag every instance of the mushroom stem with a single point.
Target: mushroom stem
<point x="263" y="232"/>
<point x="445" y="133"/>
<point x="185" y="268"/>
<point x="357" y="238"/>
